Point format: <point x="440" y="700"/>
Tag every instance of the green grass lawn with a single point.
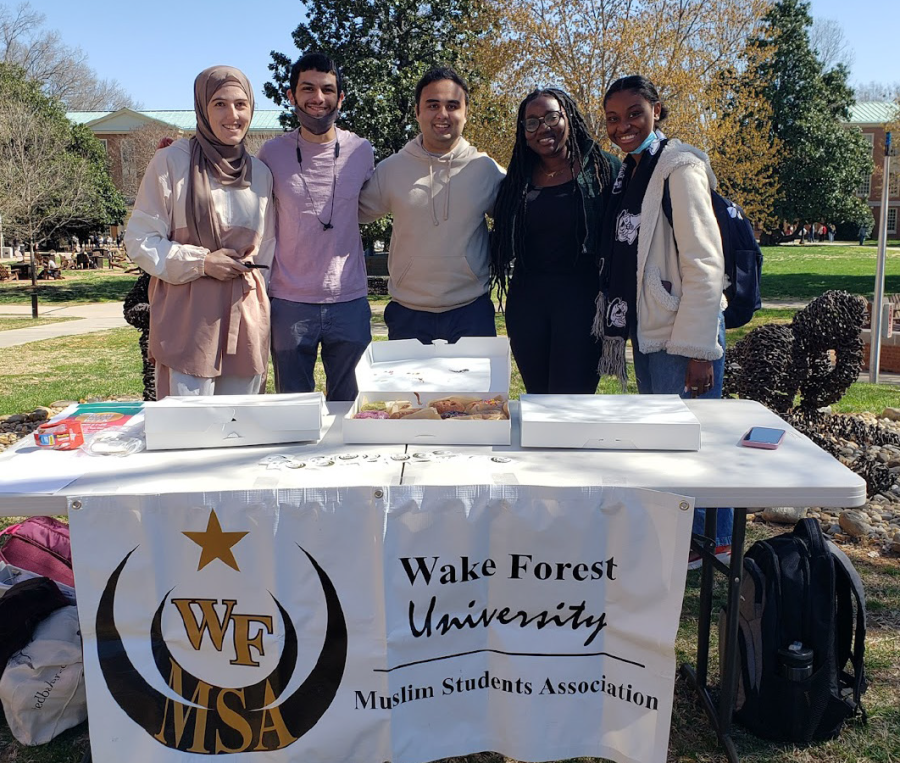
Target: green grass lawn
<point x="108" y="364"/>
<point x="789" y="272"/>
<point x="9" y="322"/>
<point x="104" y="364"/>
<point x="806" y="272"/>
<point x="77" y="287"/>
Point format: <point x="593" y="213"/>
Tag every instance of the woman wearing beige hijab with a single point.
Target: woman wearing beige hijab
<point x="203" y="227"/>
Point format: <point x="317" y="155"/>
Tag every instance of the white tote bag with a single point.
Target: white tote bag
<point x="42" y="688"/>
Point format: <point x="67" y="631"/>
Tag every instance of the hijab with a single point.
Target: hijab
<point x="229" y="165"/>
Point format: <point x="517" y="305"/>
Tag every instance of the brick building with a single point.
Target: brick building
<point x="130" y="137"/>
<point x="871" y="118"/>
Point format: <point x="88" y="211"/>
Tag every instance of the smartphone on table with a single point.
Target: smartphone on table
<point x="767" y="438"/>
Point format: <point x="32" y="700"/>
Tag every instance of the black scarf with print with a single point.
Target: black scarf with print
<point x="617" y="306"/>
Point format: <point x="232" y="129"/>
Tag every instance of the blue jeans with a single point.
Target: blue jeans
<point x="474" y="319"/>
<point x="342" y="328"/>
<point x="659" y="373"/>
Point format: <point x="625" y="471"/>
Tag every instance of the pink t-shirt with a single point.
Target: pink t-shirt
<point x="312" y="264"/>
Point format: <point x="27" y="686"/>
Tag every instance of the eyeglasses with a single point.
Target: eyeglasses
<point x="551" y="119"/>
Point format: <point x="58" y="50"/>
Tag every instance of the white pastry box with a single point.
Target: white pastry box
<point x="608" y="422"/>
<point x="409" y="370"/>
<point x="222" y="421"/>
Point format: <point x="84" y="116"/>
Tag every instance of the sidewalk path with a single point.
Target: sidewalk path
<point x="95" y="317"/>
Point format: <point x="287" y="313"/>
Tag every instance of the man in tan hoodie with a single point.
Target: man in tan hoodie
<point x="439" y="189"/>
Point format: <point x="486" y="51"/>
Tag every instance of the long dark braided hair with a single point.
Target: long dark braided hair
<point x="508" y="239"/>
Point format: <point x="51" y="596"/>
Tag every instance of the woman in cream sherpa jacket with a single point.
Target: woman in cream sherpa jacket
<point x="664" y="287"/>
<point x="682" y="319"/>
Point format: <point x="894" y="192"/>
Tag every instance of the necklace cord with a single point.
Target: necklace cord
<point x="337" y="152"/>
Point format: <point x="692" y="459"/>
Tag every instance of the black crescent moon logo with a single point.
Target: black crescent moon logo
<point x="223" y="720"/>
<point x="255" y="694"/>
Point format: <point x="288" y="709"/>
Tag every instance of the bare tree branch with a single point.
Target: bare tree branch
<point x="45" y="186"/>
<point x="877" y="91"/>
<point x="62" y="70"/>
<point x="826" y="38"/>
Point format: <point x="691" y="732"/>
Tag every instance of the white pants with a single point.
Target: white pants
<point x="184" y="384"/>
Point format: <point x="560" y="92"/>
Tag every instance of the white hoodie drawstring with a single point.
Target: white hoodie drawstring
<point x="434" y="217"/>
<point x="447" y="203"/>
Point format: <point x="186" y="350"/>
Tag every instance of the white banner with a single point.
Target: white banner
<point x="401" y="624"/>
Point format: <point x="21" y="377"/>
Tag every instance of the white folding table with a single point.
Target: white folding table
<point x="720" y="474"/>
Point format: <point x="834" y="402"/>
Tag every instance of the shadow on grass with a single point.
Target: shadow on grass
<point x="106" y="289"/>
<point x="811" y="285"/>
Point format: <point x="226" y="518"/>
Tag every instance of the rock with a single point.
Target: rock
<point x="62" y="403"/>
<point x="40" y="414"/>
<point x="16" y="418"/>
<point x="891" y="414"/>
<point x="854" y="523"/>
<point x="832" y="529"/>
<point x="784" y="515"/>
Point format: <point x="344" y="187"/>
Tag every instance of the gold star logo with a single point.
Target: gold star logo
<point x="215" y="543"/>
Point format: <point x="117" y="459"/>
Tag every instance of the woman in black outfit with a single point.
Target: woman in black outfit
<point x="544" y="249"/>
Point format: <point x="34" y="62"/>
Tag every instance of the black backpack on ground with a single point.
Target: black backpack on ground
<point x="798" y="636"/>
<point x="743" y="257"/>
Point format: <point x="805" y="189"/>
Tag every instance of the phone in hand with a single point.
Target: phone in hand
<point x="767" y="438"/>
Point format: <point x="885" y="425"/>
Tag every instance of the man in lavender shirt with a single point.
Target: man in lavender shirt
<point x="318" y="286"/>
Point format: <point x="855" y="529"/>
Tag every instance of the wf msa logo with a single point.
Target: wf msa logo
<point x="214" y="719"/>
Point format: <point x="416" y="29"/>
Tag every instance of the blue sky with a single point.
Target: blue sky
<point x="156" y="49"/>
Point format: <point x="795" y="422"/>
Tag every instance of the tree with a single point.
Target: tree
<point x="826" y="38"/>
<point x="742" y="151"/>
<point x="107" y="205"/>
<point x="694" y="51"/>
<point x="54" y="173"/>
<point x="383" y="47"/>
<point x="137" y="149"/>
<point x="821" y="162"/>
<point x="877" y="91"/>
<point x="62" y="70"/>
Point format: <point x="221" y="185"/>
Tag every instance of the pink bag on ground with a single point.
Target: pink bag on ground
<point x="39" y="545"/>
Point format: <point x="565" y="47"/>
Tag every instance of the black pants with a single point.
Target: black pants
<point x="548" y="319"/>
<point x="474" y="319"/>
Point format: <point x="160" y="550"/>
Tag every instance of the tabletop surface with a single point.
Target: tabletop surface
<point x="721" y="473"/>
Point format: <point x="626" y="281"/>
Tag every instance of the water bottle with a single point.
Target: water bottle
<point x="795" y="662"/>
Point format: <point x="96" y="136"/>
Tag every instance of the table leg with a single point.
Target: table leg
<point x="706" y="591"/>
<point x="719" y="717"/>
<point x="729" y="678"/>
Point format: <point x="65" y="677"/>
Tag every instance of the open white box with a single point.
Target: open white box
<point x="405" y="369"/>
<point x="608" y="422"/>
<point x="222" y="421"/>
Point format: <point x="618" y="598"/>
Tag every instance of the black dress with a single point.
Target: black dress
<point x="551" y="303"/>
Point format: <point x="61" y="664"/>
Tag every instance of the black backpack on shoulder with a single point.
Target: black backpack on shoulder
<point x="743" y="257"/>
<point x="801" y="638"/>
